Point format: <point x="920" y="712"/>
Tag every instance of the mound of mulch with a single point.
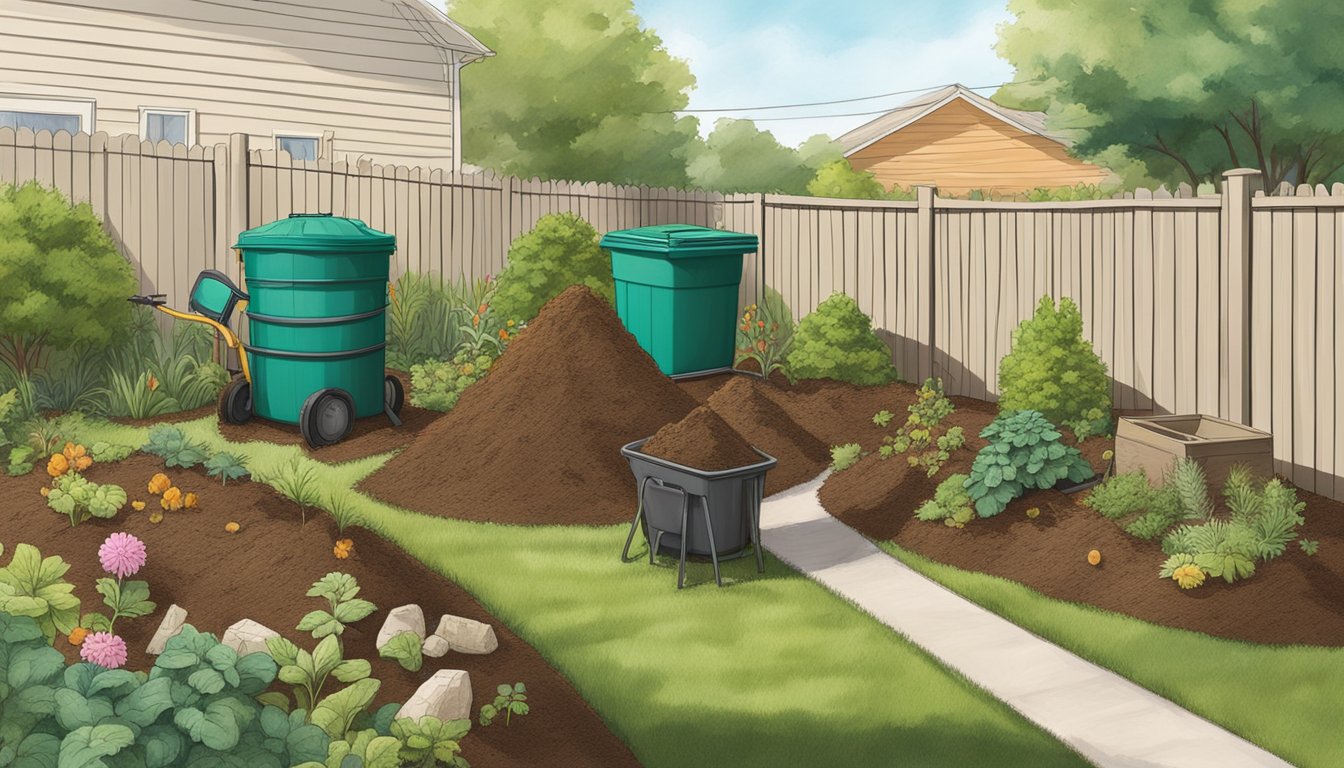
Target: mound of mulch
<point x="538" y="440"/>
<point x="742" y="403"/>
<point x="702" y="441"/>
<point x="263" y="572"/>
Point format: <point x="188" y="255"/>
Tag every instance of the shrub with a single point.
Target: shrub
<point x="918" y="434"/>
<point x="424" y="319"/>
<point x="109" y="453"/>
<point x="65" y="283"/>
<point x="80" y="499"/>
<point x="1052" y="369"/>
<point x="837" y="342"/>
<point x="1187" y="478"/>
<point x="950" y="503"/>
<point x="1024" y="452"/>
<point x="437" y="385"/>
<point x="171" y="444"/>
<point x="845" y="456"/>
<point x="560" y="251"/>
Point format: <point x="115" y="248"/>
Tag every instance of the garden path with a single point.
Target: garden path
<point x="1108" y="719"/>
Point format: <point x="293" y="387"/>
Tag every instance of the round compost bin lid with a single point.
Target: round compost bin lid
<point x="316" y="232"/>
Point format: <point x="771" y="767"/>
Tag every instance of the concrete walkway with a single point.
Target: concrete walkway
<point x="1111" y="721"/>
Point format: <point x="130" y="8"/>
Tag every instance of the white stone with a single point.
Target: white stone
<point x="173" y="619"/>
<point x="406" y="618"/>
<point x="434" y="647"/>
<point x="247" y="636"/>
<point x="467" y="635"/>
<point x="446" y="695"/>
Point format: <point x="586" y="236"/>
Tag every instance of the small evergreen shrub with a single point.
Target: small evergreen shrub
<point x="1024" y="452"/>
<point x="560" y="251"/>
<point x="837" y="342"/>
<point x="1053" y="369"/>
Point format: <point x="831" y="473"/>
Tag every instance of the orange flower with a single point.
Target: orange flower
<point x="231" y="527"/>
<point x="343" y="548"/>
<point x="475" y="321"/>
<point x="760" y="323"/>
<point x="172" y="499"/>
<point x="1094" y="557"/>
<point x="77" y="635"/>
<point x="503" y="335"/>
<point x="83" y="463"/>
<point x="44" y="491"/>
<point x="760" y="345"/>
<point x="73" y="452"/>
<point x="152" y="383"/>
<point x="189" y="501"/>
<point x="159" y="483"/>
<point x="58" y="465"/>
<point x="138" y="506"/>
<point x="482" y="308"/>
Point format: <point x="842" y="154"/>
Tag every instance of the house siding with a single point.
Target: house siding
<point x="959" y="147"/>
<point x="354" y="68"/>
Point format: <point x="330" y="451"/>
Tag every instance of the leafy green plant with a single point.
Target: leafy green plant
<point x="1193" y="488"/>
<point x="20" y="461"/>
<point x="436" y="385"/>
<point x="845" y="456"/>
<point x="951" y="503"/>
<point x="510" y="700"/>
<point x="918" y="435"/>
<point x="404" y="648"/>
<point x="483" y="333"/>
<point x="139" y="398"/>
<point x="80" y="499"/>
<point x="30" y="672"/>
<point x="560" y="251"/>
<point x="430" y="742"/>
<point x="35" y="587"/>
<point x="171" y="444"/>
<point x="1219" y="548"/>
<point x="297" y="481"/>
<point x="108" y="453"/>
<point x="1053" y="369"/>
<point x="363" y="749"/>
<point x="226" y="466"/>
<point x="1024" y="452"/>
<point x="340" y="590"/>
<point x="1143" y="511"/>
<point x="883" y="417"/>
<point x="308" y="675"/>
<point x="765" y="336"/>
<point x="837" y="342"/>
<point x="1309" y="548"/>
<point x="424" y="318"/>
<point x="341" y="507"/>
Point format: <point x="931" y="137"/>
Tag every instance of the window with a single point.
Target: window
<point x="176" y="126"/>
<point x="298" y="147"/>
<point x="44" y="114"/>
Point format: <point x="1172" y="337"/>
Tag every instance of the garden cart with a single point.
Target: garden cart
<point x="316" y="303"/>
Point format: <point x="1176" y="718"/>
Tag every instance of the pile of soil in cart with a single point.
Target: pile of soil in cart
<point x="538" y="440"/>
<point x="262" y="573"/>
<point x="1291" y="599"/>
<point x="751" y="413"/>
<point x="704" y="441"/>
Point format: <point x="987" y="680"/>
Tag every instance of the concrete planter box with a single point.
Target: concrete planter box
<point x="1155" y="443"/>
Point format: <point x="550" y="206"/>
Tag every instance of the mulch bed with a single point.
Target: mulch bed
<point x="262" y="573"/>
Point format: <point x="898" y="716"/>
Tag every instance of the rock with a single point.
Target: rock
<point x="247" y="636"/>
<point x="446" y="695"/>
<point x="467" y="635"/>
<point x="173" y="619"/>
<point x="406" y="618"/>
<point x="435" y="646"/>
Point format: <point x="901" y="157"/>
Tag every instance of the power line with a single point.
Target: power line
<point x="824" y="103"/>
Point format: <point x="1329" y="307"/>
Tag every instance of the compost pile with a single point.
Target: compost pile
<point x="538" y="440"/>
<point x="704" y="441"/>
<point x="763" y="423"/>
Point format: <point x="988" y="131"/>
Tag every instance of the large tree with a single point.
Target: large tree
<point x="579" y="90"/>
<point x="739" y="157"/>
<point x="1191" y="88"/>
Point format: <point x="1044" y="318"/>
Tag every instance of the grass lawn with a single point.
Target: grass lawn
<point x="772" y="671"/>
<point x="1287" y="699"/>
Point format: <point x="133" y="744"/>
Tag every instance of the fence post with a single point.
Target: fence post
<point x="1239" y="186"/>
<point x="238" y="183"/>
<point x="925" y="259"/>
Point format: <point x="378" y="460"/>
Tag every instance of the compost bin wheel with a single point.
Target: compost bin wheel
<point x="326" y="417"/>
<point x="394" y="394"/>
<point x="235" y="402"/>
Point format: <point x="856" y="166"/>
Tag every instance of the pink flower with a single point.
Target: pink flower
<point x="104" y="649"/>
<point x="122" y="554"/>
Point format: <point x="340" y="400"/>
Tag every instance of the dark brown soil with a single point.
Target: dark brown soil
<point x="753" y="415"/>
<point x="538" y="440"/>
<point x="262" y="573"/>
<point x="1292" y="599"/>
<point x="702" y="440"/>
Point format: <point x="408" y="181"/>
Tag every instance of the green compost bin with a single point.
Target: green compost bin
<point x="318" y="287"/>
<point x="676" y="291"/>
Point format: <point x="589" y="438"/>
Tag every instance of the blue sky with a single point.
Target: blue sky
<point x="766" y="52"/>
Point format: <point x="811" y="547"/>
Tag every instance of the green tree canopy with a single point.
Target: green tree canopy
<point x="1190" y="88"/>
<point x="739" y="157"/>
<point x="839" y="179"/>
<point x="579" y="90"/>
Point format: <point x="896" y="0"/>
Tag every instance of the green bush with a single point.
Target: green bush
<point x="436" y="384"/>
<point x="1052" y="369"/>
<point x="1024" y="452"/>
<point x="559" y="252"/>
<point x="845" y="456"/>
<point x="1143" y="511"/>
<point x="918" y="436"/>
<point x="62" y="280"/>
<point x="837" y="342"/>
<point x="951" y="503"/>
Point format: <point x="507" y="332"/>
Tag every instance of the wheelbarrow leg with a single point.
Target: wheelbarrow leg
<point x="685" y="534"/>
<point x="639" y="515"/>
<point x="713" y="549"/>
<point x="756" y="524"/>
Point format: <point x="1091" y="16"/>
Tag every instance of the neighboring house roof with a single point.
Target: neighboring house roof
<point x="895" y="120"/>
<point x="432" y="22"/>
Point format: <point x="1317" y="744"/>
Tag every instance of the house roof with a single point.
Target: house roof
<point x="429" y="19"/>
<point x="918" y="107"/>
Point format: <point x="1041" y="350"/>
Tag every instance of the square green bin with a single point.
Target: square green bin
<point x="676" y="291"/>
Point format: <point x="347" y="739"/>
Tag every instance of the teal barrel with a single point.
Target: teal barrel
<point x="317" y="316"/>
<point x="676" y="292"/>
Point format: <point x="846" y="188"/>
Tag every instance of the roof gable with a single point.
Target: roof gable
<point x="921" y="106"/>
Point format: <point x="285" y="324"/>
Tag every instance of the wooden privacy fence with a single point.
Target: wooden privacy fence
<point x="1223" y="304"/>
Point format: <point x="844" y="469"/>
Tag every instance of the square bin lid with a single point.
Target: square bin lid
<point x="316" y="232"/>
<point x="679" y="241"/>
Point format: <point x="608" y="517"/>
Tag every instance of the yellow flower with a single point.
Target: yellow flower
<point x="159" y="483"/>
<point x="1034" y="512"/>
<point x="77" y="635"/>
<point x="58" y="465"/>
<point x="44" y="491"/>
<point x="511" y="323"/>
<point x="156" y="516"/>
<point x="1107" y="455"/>
<point x="1094" y="557"/>
<point x="82" y="463"/>
<point x="231" y="527"/>
<point x="343" y="548"/>
<point x="189" y="501"/>
<point x="172" y="499"/>
<point x="1188" y="576"/>
<point x="503" y="335"/>
<point x="138" y="506"/>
